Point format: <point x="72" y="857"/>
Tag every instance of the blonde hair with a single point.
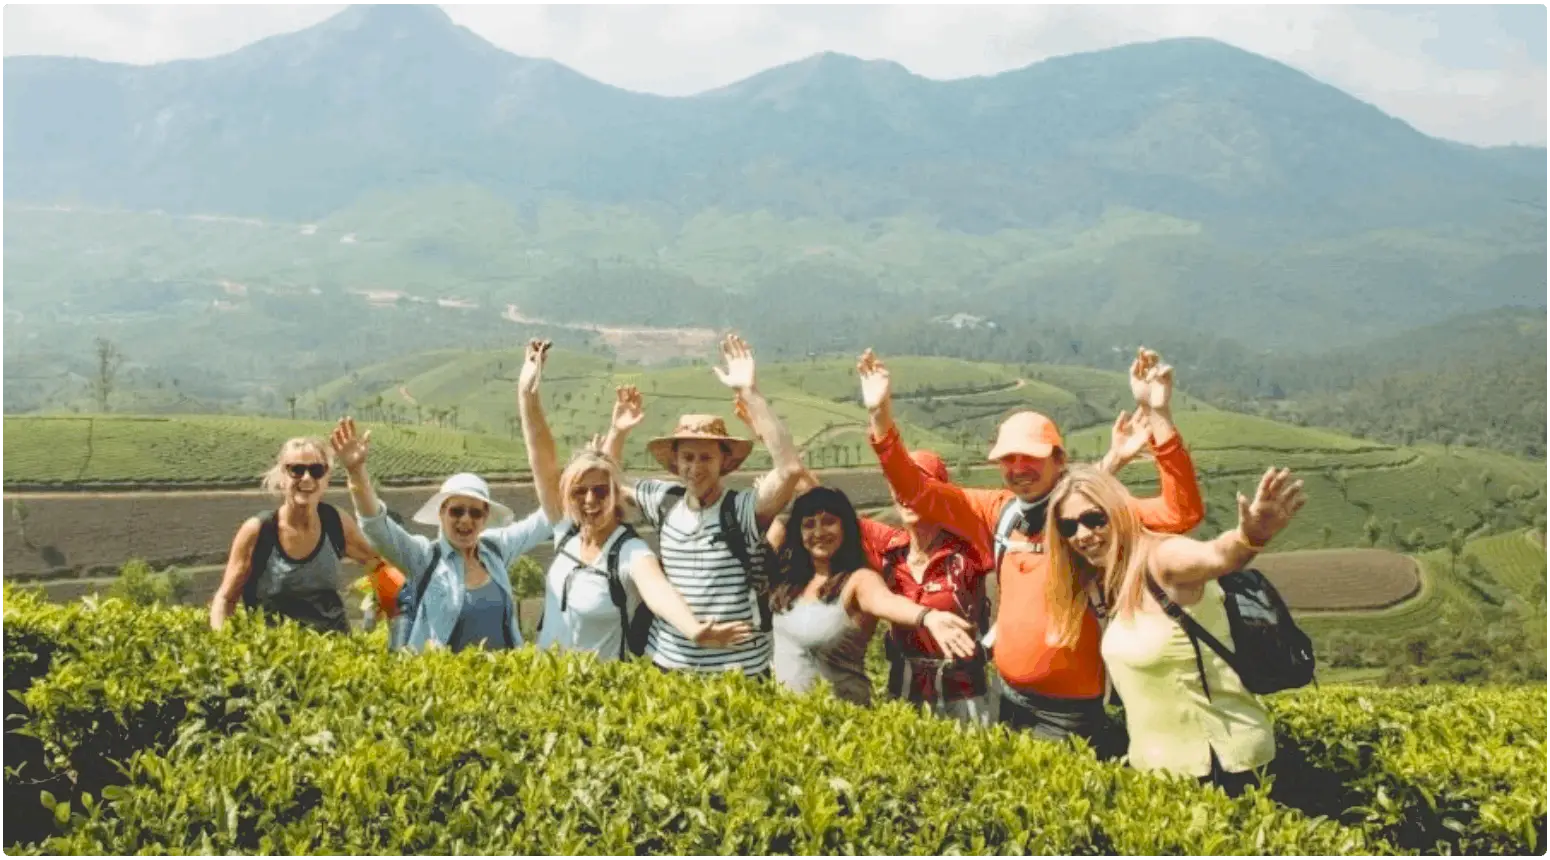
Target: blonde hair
<point x="1120" y="581"/>
<point x="274" y="480"/>
<point x="591" y="460"/>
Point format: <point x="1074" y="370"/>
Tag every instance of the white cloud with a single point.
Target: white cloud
<point x="1385" y="56"/>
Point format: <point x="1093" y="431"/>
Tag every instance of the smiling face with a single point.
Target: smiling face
<point x="304" y="474"/>
<point x="462" y="519"/>
<point x="1085" y="528"/>
<point x="592" y="501"/>
<point x="699" y="463"/>
<point x="1031" y="478"/>
<point x="822" y="535"/>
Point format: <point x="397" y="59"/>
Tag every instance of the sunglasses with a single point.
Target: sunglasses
<point x="598" y="491"/>
<point x="316" y="470"/>
<point x="457" y="512"/>
<point x="1093" y="519"/>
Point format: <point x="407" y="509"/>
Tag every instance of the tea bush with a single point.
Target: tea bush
<point x="175" y="739"/>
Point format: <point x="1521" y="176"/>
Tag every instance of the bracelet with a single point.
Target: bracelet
<point x="1243" y="540"/>
<point x="920" y="620"/>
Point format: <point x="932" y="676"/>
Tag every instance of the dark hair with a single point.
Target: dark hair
<point x="795" y="568"/>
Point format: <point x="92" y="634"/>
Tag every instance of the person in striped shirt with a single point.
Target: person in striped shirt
<point x="693" y="514"/>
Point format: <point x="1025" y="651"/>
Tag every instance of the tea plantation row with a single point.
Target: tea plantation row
<point x="142" y="731"/>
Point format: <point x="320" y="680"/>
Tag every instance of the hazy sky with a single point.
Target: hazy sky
<point x="1469" y="73"/>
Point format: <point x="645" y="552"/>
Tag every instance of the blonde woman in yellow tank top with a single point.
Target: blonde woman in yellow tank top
<point x="1103" y="559"/>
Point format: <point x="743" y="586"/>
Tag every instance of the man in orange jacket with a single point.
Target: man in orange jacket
<point x="1050" y="690"/>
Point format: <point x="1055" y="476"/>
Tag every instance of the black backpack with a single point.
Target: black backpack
<point x="1272" y="653"/>
<point x="269" y="538"/>
<point x="732" y="533"/>
<point x="633" y="642"/>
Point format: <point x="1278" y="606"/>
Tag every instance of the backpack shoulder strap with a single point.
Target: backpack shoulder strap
<point x="263" y="548"/>
<point x="333" y="526"/>
<point x="1197" y="634"/>
<point x="1005" y="522"/>
<point x="671" y="497"/>
<point x="737" y="543"/>
<point x="616" y="591"/>
<point x="424" y="580"/>
<point x="732" y="530"/>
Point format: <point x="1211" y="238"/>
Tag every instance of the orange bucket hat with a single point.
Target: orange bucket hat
<point x="1026" y="433"/>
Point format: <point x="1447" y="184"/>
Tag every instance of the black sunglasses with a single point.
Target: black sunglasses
<point x="597" y="491"/>
<point x="458" y="512"/>
<point x="1093" y="519"/>
<point x="316" y="470"/>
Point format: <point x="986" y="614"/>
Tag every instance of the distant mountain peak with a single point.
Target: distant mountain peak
<point x="393" y="16"/>
<point x="819" y="71"/>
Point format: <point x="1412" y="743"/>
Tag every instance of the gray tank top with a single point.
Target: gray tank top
<point x="306" y="589"/>
<point x="816" y="639"/>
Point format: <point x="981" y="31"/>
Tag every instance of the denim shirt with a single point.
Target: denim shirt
<point x="438" y="613"/>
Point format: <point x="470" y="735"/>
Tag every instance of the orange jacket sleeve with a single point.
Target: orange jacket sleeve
<point x="971" y="513"/>
<point x="1178" y="507"/>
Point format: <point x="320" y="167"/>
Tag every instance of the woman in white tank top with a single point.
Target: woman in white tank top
<point x="826" y="602"/>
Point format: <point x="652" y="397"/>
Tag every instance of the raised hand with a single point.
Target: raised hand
<point x="724" y="634"/>
<point x="1127" y="439"/>
<point x="740" y="409"/>
<point x="1151" y="381"/>
<point x="629" y="409"/>
<point x="876" y="387"/>
<point x="533" y="366"/>
<point x="738" y="356"/>
<point x="954" y="634"/>
<point x="1277" y="500"/>
<point x="348" y="446"/>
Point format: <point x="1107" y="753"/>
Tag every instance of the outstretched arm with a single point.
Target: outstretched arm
<point x="629" y="411"/>
<point x="669" y="605"/>
<point x="971" y="515"/>
<point x="403" y="550"/>
<point x="1183" y="562"/>
<point x="773" y="490"/>
<point x="954" y="634"/>
<point x="1178" y="507"/>
<point x="541" y="454"/>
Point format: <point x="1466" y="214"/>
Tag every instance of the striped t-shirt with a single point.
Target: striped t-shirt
<point x="702" y="568"/>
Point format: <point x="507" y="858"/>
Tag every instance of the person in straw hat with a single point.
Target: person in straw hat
<point x="1050" y="688"/>
<point x="458" y="592"/>
<point x="711" y="537"/>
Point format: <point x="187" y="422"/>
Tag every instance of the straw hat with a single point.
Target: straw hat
<point x="707" y="427"/>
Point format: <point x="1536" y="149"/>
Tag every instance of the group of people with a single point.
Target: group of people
<point x="1028" y="605"/>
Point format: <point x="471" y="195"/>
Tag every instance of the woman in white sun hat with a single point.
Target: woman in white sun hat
<point x="457" y="592"/>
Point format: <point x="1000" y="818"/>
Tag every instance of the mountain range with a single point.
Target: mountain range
<point x="302" y="124"/>
<point x="249" y="201"/>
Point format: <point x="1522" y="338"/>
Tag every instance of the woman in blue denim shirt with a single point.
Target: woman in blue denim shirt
<point x="468" y="599"/>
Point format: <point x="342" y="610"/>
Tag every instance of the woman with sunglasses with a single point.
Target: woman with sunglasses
<point x="1186" y="712"/>
<point x="602" y="573"/>
<point x="285" y="562"/>
<point x="457" y="592"/>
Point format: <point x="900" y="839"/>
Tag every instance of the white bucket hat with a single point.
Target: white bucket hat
<point x="470" y="486"/>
